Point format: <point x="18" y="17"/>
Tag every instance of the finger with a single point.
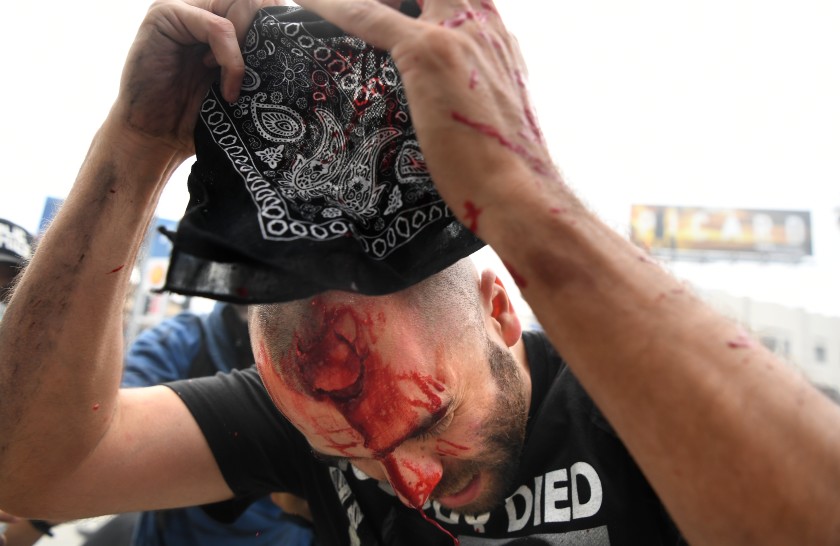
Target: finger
<point x="224" y="30"/>
<point x="242" y="14"/>
<point x="220" y="34"/>
<point x="446" y="8"/>
<point x="370" y="20"/>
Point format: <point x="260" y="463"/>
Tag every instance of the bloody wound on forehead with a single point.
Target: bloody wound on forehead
<point x="340" y="364"/>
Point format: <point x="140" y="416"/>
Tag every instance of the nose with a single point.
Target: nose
<point x="413" y="473"/>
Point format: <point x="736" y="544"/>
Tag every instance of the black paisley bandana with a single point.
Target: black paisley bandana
<point x="313" y="180"/>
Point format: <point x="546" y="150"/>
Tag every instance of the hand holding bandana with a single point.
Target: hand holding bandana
<point x="466" y="82"/>
<point x="313" y="179"/>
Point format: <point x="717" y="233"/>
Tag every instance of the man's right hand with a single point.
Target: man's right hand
<point x="178" y="51"/>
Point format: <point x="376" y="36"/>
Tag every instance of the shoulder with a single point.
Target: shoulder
<point x="256" y="448"/>
<point x="234" y="399"/>
<point x="245" y="384"/>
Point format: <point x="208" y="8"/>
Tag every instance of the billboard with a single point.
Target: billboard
<point x="705" y="233"/>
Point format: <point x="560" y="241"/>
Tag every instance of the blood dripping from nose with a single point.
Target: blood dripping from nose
<point x="410" y="480"/>
<point x="416" y="491"/>
<point x="439" y="526"/>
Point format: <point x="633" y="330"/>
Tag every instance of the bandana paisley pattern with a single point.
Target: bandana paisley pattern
<point x="322" y="139"/>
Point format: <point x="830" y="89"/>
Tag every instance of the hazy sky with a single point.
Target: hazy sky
<point x="718" y="103"/>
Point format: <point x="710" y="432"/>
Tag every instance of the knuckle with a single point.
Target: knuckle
<point x="362" y="12"/>
<point x="220" y="25"/>
<point x="156" y="7"/>
<point x="445" y="45"/>
<point x="358" y="11"/>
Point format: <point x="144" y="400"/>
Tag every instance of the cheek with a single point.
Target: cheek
<point x="466" y="437"/>
<point x="457" y="450"/>
<point x="464" y="441"/>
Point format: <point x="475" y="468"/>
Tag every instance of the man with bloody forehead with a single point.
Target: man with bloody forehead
<point x="405" y="387"/>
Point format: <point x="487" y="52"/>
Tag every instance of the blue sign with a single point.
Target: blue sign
<point x="160" y="246"/>
<point x="51" y="206"/>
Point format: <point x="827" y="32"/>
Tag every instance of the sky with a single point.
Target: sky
<point x="718" y="103"/>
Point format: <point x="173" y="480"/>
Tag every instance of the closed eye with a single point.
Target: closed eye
<point x="438" y="427"/>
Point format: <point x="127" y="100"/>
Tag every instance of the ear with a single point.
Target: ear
<point x="495" y="299"/>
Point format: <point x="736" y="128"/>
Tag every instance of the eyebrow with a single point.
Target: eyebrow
<point x="427" y="424"/>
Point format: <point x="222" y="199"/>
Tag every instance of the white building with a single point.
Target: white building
<point x="808" y="341"/>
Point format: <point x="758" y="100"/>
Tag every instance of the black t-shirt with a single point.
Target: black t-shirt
<point x="577" y="482"/>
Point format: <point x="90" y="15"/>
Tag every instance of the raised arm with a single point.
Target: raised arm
<point x="741" y="449"/>
<point x="65" y="430"/>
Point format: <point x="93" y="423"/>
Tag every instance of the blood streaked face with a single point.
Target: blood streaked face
<point x="361" y="381"/>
